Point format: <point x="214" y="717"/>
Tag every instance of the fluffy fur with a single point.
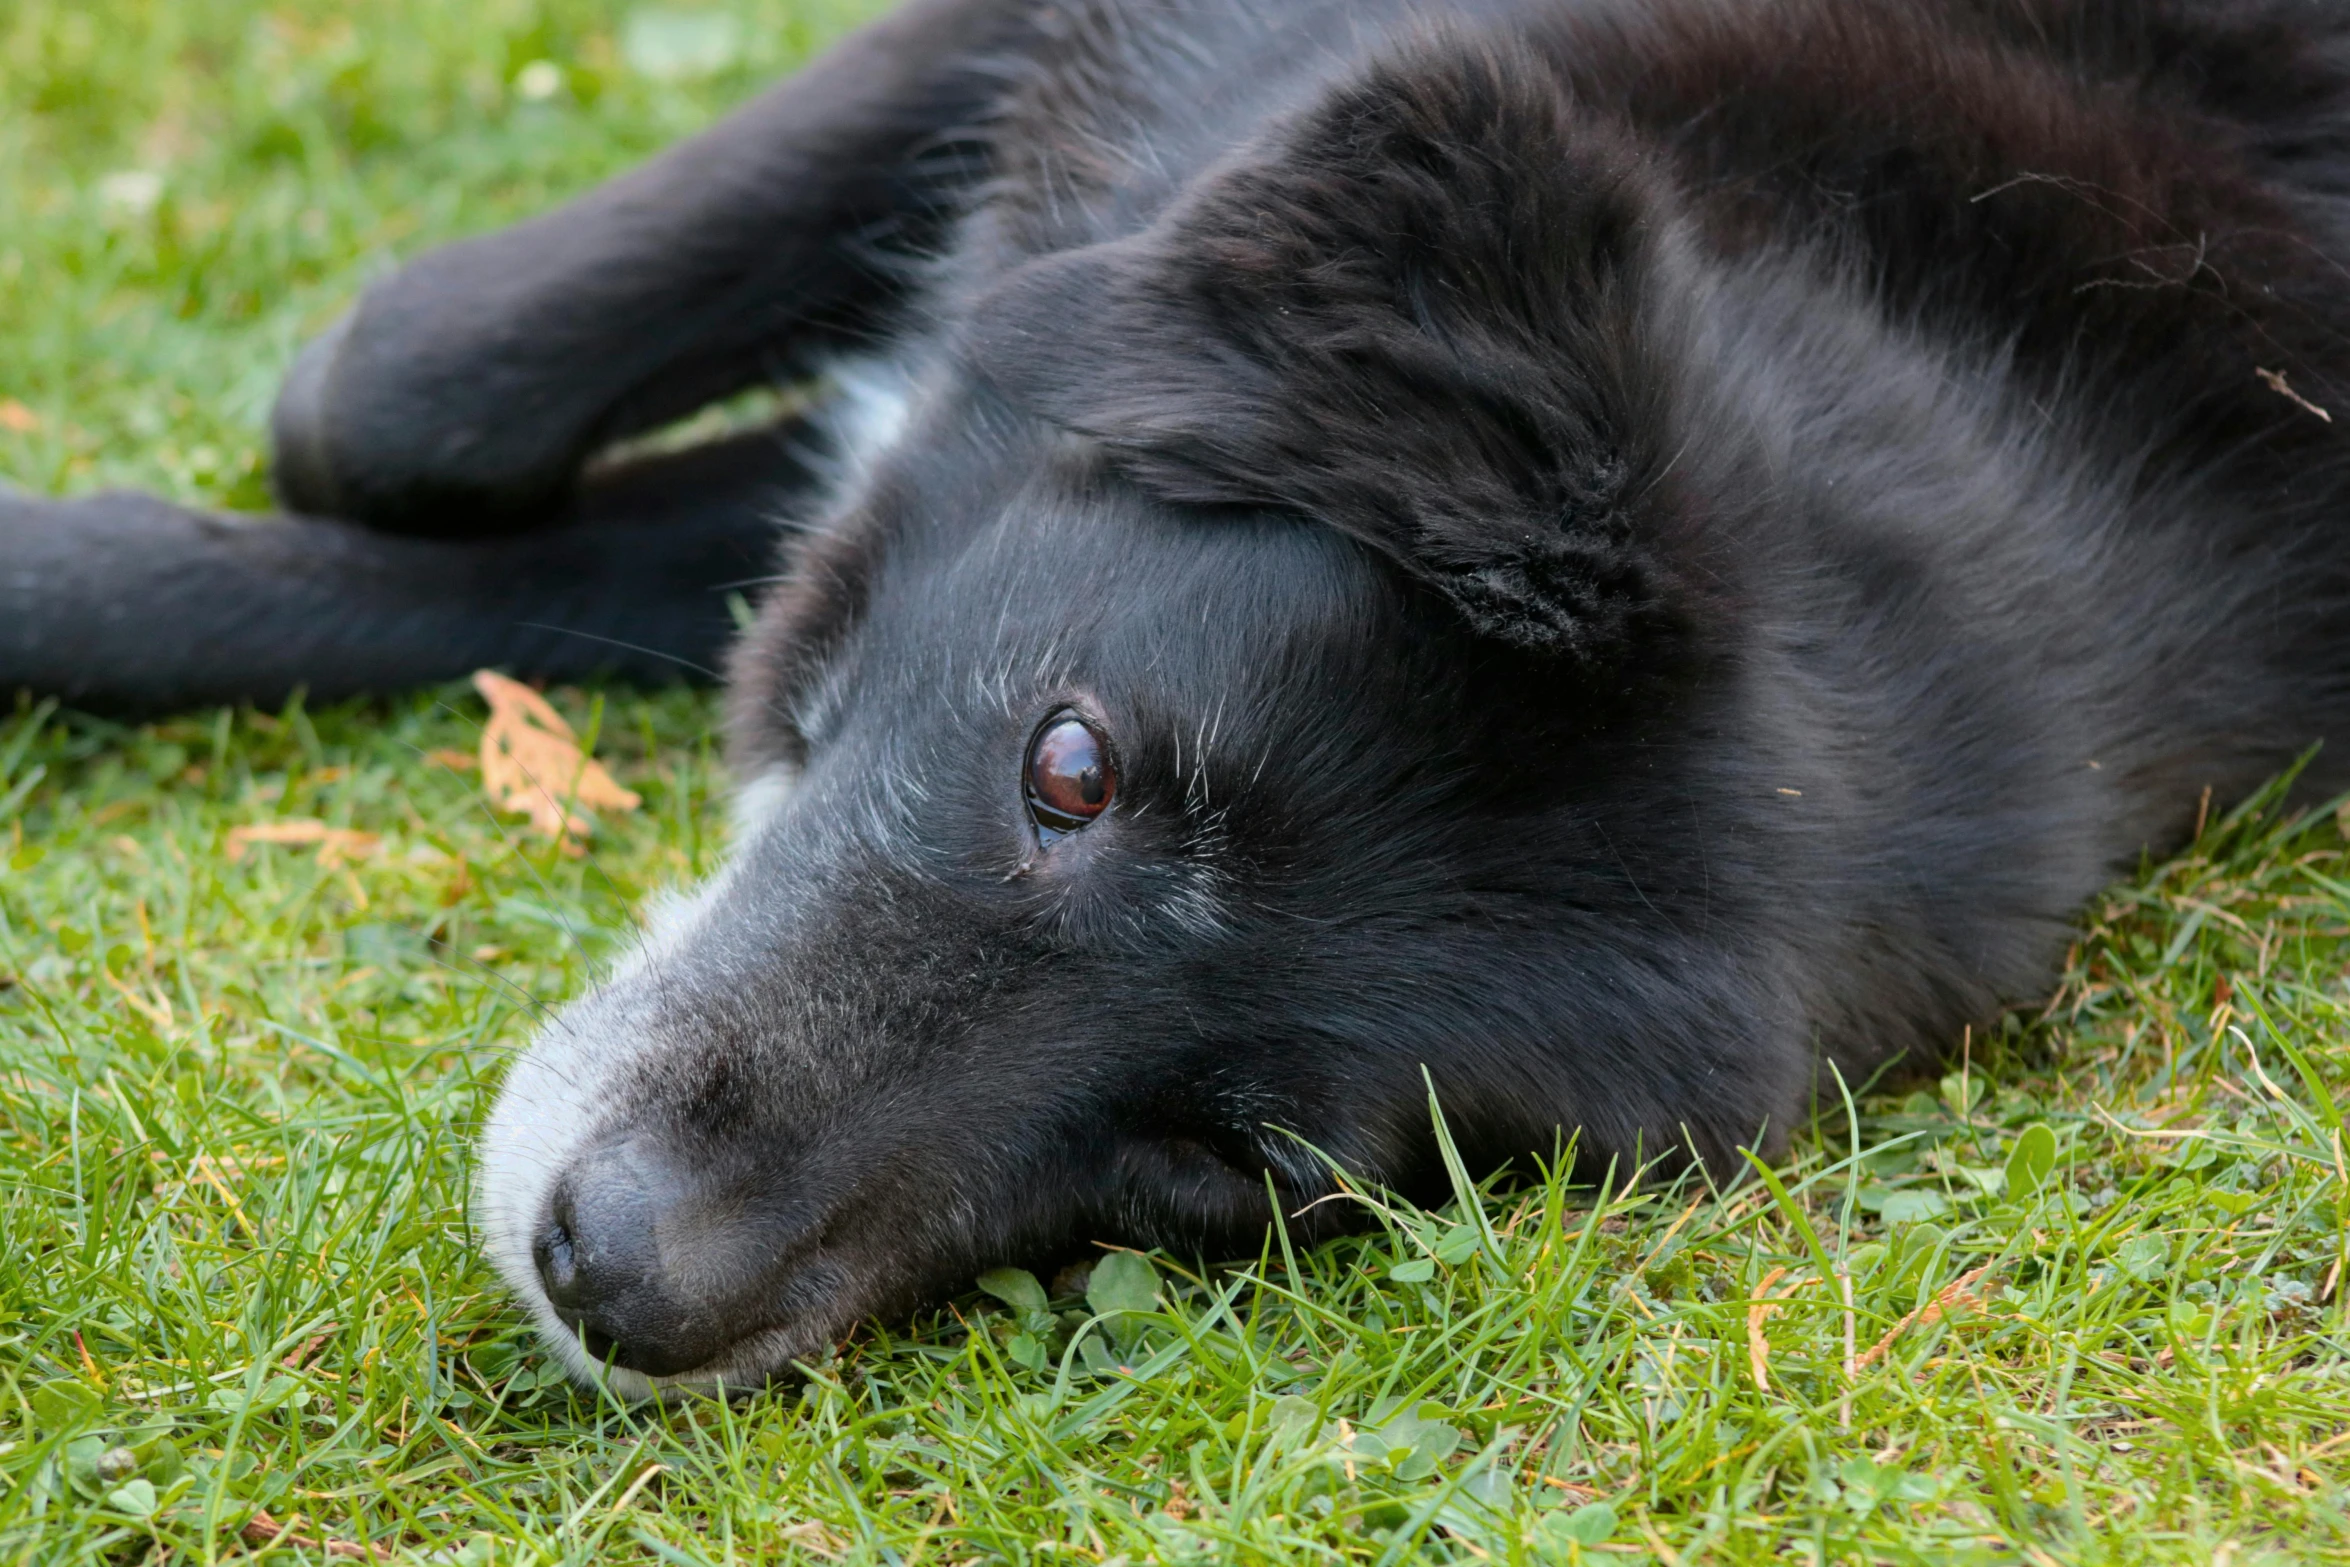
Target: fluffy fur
<point x="1625" y="552"/>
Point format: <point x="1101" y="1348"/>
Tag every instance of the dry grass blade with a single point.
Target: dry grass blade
<point x="1758" y="1348"/>
<point x="1959" y="1292"/>
<point x="532" y="762"/>
<point x="1851" y="1368"/>
<point x="263" y="1532"/>
<point x="812" y="1537"/>
<point x="336" y="845"/>
<point x="2276" y="382"/>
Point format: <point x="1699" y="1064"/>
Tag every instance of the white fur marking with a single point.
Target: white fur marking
<point x="555" y="1097"/>
<point x="761" y="800"/>
<point x="870" y="411"/>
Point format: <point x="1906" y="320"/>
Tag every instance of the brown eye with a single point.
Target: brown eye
<point x="1069" y="776"/>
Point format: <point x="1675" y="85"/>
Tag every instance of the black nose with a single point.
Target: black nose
<point x="558" y="1258"/>
<point x="599" y="1258"/>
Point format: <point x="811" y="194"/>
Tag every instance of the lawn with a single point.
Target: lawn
<point x="2081" y="1300"/>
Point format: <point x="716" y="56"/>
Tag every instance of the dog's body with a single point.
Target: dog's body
<point x="1611" y="550"/>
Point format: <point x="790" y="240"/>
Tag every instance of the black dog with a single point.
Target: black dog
<point x="1611" y="550"/>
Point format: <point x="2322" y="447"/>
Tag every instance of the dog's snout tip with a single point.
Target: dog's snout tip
<point x="592" y="1249"/>
<point x="598" y="1263"/>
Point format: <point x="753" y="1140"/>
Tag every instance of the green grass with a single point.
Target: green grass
<point x="236" y="1092"/>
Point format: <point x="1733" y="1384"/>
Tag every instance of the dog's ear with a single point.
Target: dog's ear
<point x="1421" y="314"/>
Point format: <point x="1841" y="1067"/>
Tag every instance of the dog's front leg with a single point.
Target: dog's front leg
<point x="462" y="394"/>
<point x="129" y="604"/>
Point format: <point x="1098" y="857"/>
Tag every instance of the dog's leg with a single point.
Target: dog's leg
<point x="125" y="603"/>
<point x="461" y="395"/>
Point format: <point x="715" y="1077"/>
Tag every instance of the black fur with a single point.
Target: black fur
<point x="1625" y="551"/>
<point x="121" y="601"/>
<point x="1421" y="318"/>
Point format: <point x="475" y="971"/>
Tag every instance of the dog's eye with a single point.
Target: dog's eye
<point x="1069" y="777"/>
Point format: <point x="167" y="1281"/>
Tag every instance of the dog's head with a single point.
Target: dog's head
<point x="1225" y="701"/>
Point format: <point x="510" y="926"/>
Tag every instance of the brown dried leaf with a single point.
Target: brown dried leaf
<point x="336" y="845"/>
<point x="310" y="1346"/>
<point x="531" y="762"/>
